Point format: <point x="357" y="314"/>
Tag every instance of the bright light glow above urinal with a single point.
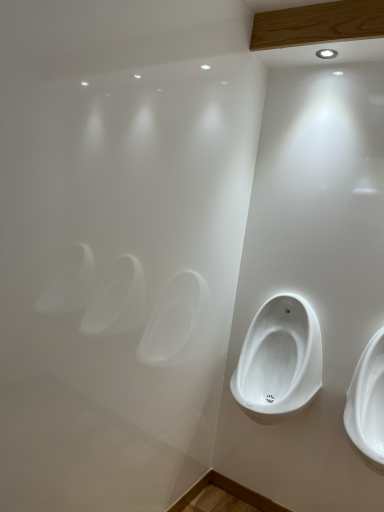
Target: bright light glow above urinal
<point x="137" y="77"/>
<point x="338" y="73"/>
<point x="205" y="67"/>
<point x="327" y="54"/>
<point x="84" y="84"/>
<point x="225" y="83"/>
<point x="366" y="191"/>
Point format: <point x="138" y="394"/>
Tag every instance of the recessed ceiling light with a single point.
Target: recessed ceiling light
<point x="206" y="67"/>
<point x="338" y="73"/>
<point x="225" y="83"/>
<point x="327" y="54"/>
<point x="137" y="76"/>
<point x="84" y="84"/>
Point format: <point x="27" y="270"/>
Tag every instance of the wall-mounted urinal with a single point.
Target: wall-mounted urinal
<point x="364" y="410"/>
<point x="280" y="368"/>
<point x="73" y="287"/>
<point x="179" y="326"/>
<point x="119" y="302"/>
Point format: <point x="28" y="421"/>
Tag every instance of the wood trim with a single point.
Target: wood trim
<point x="243" y="493"/>
<point x="345" y="20"/>
<point x="191" y="493"/>
<point x="231" y="487"/>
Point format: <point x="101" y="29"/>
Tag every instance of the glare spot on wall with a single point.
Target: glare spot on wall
<point x="94" y="128"/>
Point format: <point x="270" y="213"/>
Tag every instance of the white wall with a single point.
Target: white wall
<point x="315" y="227"/>
<point x="165" y="176"/>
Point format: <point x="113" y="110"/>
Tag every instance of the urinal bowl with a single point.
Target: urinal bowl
<point x="364" y="410"/>
<point x="280" y="368"/>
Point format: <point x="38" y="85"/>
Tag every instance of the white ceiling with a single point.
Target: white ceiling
<point x="57" y="27"/>
<point x="371" y="50"/>
<point x="73" y="37"/>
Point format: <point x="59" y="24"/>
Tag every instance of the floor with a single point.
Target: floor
<point x="213" y="499"/>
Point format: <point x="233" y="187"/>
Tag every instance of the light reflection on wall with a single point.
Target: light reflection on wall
<point x="94" y="130"/>
<point x="164" y="177"/>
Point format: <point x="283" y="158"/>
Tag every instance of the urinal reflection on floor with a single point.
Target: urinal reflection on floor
<point x="364" y="409"/>
<point x="119" y="302"/>
<point x="73" y="287"/>
<point x="280" y="367"/>
<point x="179" y="326"/>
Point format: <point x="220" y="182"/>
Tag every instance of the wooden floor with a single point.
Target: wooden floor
<point x="213" y="499"/>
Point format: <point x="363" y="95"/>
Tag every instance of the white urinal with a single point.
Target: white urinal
<point x="280" y="368"/>
<point x="364" y="410"/>
<point x="179" y="326"/>
<point x="73" y="287"/>
<point x="119" y="302"/>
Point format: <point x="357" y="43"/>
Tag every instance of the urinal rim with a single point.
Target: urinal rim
<point x="358" y="379"/>
<point x="204" y="291"/>
<point x="365" y="358"/>
<point x="281" y="405"/>
<point x="135" y="283"/>
<point x="87" y="257"/>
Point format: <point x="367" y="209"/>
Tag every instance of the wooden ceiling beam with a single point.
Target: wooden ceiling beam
<point x="345" y="20"/>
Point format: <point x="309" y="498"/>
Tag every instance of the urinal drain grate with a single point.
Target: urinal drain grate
<point x="270" y="399"/>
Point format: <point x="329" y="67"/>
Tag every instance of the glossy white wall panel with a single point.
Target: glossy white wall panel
<point x="315" y="228"/>
<point x="165" y="176"/>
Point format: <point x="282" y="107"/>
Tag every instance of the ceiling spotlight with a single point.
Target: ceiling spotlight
<point x="338" y="73"/>
<point x="224" y="83"/>
<point x="327" y="54"/>
<point x="84" y="84"/>
<point x="137" y="76"/>
<point x="206" y="67"/>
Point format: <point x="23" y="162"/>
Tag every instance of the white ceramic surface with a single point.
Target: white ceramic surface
<point x="73" y="287"/>
<point x="316" y="228"/>
<point x="364" y="410"/>
<point x="179" y="327"/>
<point x="119" y="301"/>
<point x="280" y="367"/>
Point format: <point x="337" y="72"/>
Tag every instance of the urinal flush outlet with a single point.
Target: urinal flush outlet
<point x="270" y="399"/>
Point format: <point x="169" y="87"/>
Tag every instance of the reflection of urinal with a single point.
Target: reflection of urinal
<point x="73" y="287"/>
<point x="280" y="367"/>
<point x="364" y="410"/>
<point x="119" y="302"/>
<point x="178" y="328"/>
